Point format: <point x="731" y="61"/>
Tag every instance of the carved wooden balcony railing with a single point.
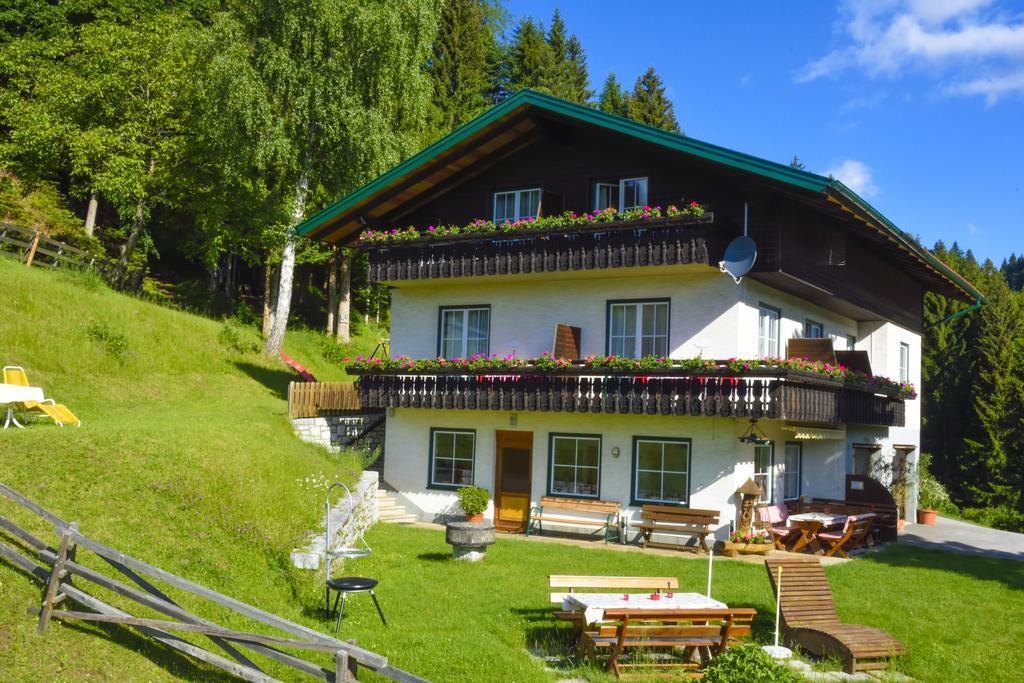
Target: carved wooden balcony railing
<point x="774" y="394"/>
<point x="667" y="241"/>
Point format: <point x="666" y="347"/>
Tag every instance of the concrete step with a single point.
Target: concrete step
<point x="404" y="519"/>
<point x="394" y="512"/>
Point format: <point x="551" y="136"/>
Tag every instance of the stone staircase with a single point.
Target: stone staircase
<point x="391" y="510"/>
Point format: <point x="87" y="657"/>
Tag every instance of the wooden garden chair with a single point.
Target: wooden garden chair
<point x="773" y="518"/>
<point x="810" y="620"/>
<point x="852" y="536"/>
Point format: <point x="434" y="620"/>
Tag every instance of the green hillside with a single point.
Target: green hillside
<point x="185" y="459"/>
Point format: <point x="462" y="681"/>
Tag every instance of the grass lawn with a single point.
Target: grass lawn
<point x="186" y="460"/>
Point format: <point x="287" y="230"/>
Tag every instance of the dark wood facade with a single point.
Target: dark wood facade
<point x="784" y="395"/>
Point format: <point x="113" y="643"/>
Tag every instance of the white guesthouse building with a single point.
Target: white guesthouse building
<point x="829" y="267"/>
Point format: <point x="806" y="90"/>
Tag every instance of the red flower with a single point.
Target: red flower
<point x="694" y="204"/>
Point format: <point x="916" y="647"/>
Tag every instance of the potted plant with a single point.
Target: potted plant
<point x="474" y="500"/>
<point x="751" y="542"/>
<point x="931" y="494"/>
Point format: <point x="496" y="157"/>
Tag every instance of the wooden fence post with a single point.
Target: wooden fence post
<point x="32" y="248"/>
<point x="55" y="577"/>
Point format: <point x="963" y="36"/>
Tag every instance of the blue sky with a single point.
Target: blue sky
<point x="916" y="104"/>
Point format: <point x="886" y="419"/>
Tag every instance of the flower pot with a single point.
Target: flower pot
<point x="900" y="524"/>
<point x="926" y="516"/>
<point x="730" y="549"/>
<point x="475" y="519"/>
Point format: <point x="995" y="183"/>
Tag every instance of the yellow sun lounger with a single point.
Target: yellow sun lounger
<point x="58" y="412"/>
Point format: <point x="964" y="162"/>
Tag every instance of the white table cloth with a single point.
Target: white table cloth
<point x="15" y="393"/>
<point x="825" y="518"/>
<point x="593" y="605"/>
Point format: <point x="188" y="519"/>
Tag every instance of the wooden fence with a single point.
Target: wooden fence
<point x="60" y="565"/>
<point x="316" y="399"/>
<point x="35" y="247"/>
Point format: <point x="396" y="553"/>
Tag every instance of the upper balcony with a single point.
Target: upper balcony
<point x="662" y="241"/>
<point x="722" y="389"/>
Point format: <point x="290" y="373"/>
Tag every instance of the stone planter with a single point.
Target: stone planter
<point x="926" y="516"/>
<point x="734" y="549"/>
<point x="469" y="541"/>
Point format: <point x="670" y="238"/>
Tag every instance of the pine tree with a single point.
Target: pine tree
<point x="797" y="164"/>
<point x="531" y="58"/>
<point x="612" y="100"/>
<point x="648" y="104"/>
<point x="458" y="64"/>
<point x="577" y="78"/>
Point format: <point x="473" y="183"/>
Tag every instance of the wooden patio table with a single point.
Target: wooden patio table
<point x="810" y="524"/>
<point x="593" y="605"/>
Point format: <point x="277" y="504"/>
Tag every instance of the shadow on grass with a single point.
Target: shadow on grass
<point x="273" y="379"/>
<point x="1006" y="571"/>
<point x="434" y="557"/>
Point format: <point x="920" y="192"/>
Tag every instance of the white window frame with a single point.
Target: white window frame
<point x="788" y="475"/>
<point x="597" y="195"/>
<point x="456" y="433"/>
<point x="637" y="440"/>
<point x="764" y="341"/>
<point x="576" y="466"/>
<point x="767" y="475"/>
<point x="518" y="206"/>
<point x="809" y="324"/>
<point x="622" y="193"/>
<point x="904" y="362"/>
<point x="464" y="339"/>
<point x="638" y="336"/>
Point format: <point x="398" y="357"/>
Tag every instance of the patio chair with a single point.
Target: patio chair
<point x="852" y="536"/>
<point x="773" y="518"/>
<point x="59" y="413"/>
<point x="809" y="618"/>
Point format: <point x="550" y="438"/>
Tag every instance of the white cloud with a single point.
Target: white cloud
<point x="977" y="47"/>
<point x="856" y="175"/>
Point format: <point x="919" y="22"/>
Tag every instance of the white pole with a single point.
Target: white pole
<point x="711" y="555"/>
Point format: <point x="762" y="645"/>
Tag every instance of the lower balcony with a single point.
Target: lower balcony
<point x="781" y="395"/>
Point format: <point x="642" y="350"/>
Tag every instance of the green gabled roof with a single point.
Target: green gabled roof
<point x="783" y="173"/>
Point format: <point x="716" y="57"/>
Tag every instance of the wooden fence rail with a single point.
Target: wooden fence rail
<point x="33" y="244"/>
<point x="60" y="564"/>
<point x="316" y="399"/>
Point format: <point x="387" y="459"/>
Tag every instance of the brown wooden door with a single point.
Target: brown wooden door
<point x="513" y="472"/>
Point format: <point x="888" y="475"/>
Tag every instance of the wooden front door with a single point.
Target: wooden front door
<point x="513" y="472"/>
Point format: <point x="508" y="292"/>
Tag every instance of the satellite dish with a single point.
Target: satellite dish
<point x="740" y="255"/>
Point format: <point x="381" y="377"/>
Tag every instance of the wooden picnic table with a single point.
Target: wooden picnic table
<point x="810" y="523"/>
<point x="593" y="605"/>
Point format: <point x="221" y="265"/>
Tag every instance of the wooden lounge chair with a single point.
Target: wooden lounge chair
<point x="809" y="618"/>
<point x="59" y="413"/>
<point x="852" y="536"/>
<point x="772" y="519"/>
<point x="625" y="631"/>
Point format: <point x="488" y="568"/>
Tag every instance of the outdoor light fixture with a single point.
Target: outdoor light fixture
<point x="754" y="435"/>
<point x="615" y="451"/>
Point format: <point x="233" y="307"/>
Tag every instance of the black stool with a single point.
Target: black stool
<point x="351" y="584"/>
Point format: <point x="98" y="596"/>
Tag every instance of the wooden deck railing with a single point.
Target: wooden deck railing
<point x="317" y="399"/>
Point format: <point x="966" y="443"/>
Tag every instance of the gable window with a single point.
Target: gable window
<point x="813" y="329"/>
<point x="904" y="362"/>
<point x="768" y="331"/>
<point x="451" y="457"/>
<point x="764" y="464"/>
<point x="625" y="194"/>
<point x="632" y="193"/>
<point x="638" y="328"/>
<point x="661" y="470"/>
<point x="464" y="332"/>
<point x="516" y="205"/>
<point x="575" y="465"/>
<point x="791" y="471"/>
<point x="851" y="342"/>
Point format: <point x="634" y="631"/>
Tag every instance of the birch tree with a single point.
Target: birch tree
<point x="312" y="99"/>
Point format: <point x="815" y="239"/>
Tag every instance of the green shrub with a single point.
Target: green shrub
<point x="930" y="491"/>
<point x="473" y="499"/>
<point x="113" y="341"/>
<point x="996" y="517"/>
<point x="237" y="338"/>
<point x="747" y="664"/>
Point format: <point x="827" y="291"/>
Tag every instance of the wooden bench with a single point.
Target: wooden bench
<point x="628" y="633"/>
<point x="612" y="584"/>
<point x="543" y="513"/>
<point x="672" y="519"/>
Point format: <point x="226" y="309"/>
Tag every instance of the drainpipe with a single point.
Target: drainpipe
<point x="953" y="316"/>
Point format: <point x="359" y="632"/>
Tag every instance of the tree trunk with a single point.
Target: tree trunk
<point x="284" y="292"/>
<point x="90" y="214"/>
<point x="138" y="225"/>
<point x="332" y="293"/>
<point x="344" y="296"/>
<point x="269" y="295"/>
